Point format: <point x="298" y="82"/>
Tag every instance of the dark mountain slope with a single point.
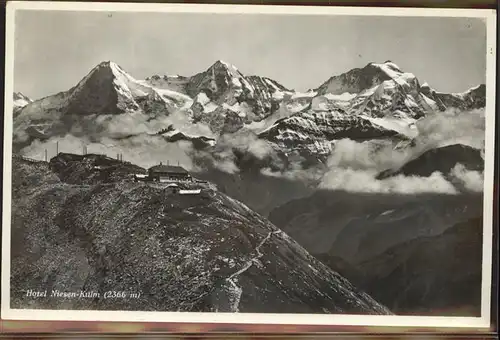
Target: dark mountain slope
<point x="438" y="275"/>
<point x="419" y="255"/>
<point x="203" y="252"/>
<point x="356" y="226"/>
<point x="442" y="159"/>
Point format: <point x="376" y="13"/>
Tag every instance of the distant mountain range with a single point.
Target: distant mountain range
<point x="378" y="101"/>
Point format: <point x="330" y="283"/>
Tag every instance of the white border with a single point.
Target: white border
<point x="247" y="318"/>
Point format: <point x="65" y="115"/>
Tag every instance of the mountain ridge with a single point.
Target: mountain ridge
<point x="222" y="100"/>
<point x="320" y="90"/>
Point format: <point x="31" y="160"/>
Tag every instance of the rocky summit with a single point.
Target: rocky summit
<point x="80" y="224"/>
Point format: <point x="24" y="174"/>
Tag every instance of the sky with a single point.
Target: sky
<point x="55" y="49"/>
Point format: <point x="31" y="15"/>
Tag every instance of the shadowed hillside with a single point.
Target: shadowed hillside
<point x="417" y="254"/>
<point x="438" y="275"/>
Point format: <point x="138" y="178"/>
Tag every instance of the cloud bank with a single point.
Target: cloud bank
<point x="352" y="166"/>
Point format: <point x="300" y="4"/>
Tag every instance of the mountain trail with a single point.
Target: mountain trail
<point x="246" y="266"/>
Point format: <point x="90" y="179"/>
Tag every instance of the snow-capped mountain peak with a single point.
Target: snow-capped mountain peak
<point x="107" y="88"/>
<point x="394" y="73"/>
<point x="472" y="98"/>
<point x="226" y="65"/>
<point x="20" y="95"/>
<point x="222" y="68"/>
<point x="228" y="90"/>
<point x="376" y="90"/>
<point x="389" y="67"/>
<point x="379" y="100"/>
<point x="359" y="79"/>
<point x="21" y="100"/>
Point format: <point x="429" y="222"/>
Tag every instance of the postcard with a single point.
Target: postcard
<point x="248" y="164"/>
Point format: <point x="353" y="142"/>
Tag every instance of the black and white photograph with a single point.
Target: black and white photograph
<point x="245" y="162"/>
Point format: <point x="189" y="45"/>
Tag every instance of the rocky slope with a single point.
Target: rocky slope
<point x="313" y="134"/>
<point x="203" y="252"/>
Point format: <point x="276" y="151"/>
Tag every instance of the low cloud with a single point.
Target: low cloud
<point x="365" y="182"/>
<point x="451" y="127"/>
<point x="183" y="122"/>
<point x="310" y="176"/>
<point x="471" y="180"/>
<point x="223" y="157"/>
<point x="246" y="141"/>
<point x="360" y="156"/>
<point x="122" y="125"/>
<point x="352" y="166"/>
